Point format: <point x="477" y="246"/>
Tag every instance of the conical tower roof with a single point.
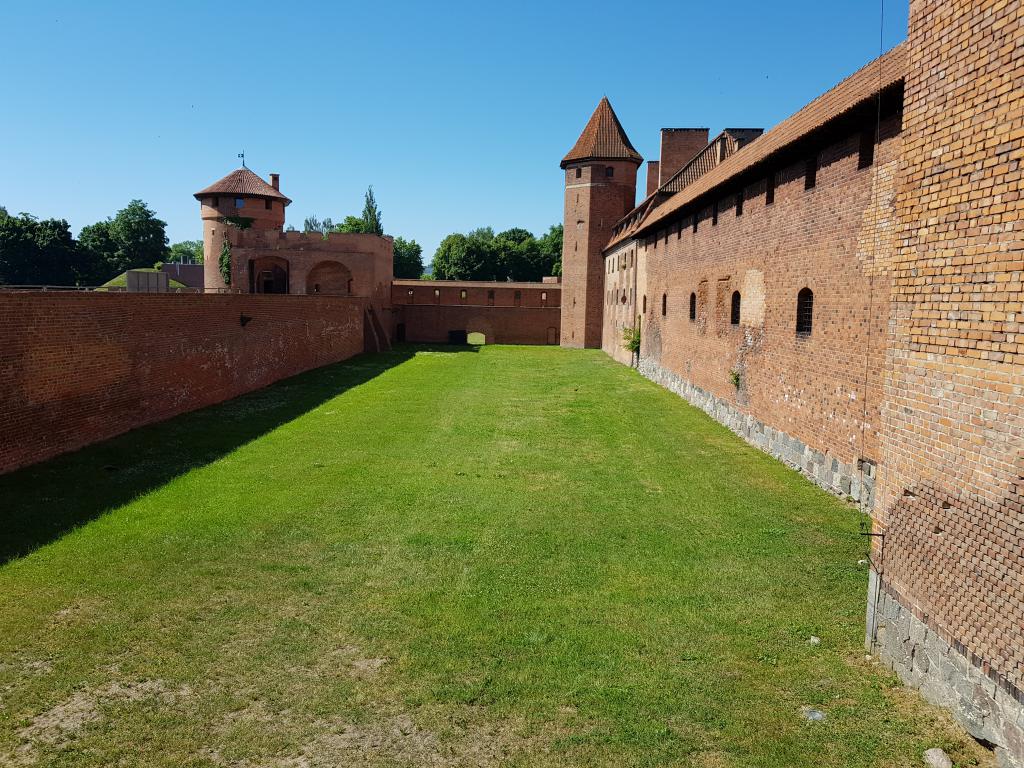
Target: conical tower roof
<point x="242" y="182"/>
<point x="603" y="139"/>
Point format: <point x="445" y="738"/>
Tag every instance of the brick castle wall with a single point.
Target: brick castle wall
<point x="813" y="401"/>
<point x="79" y="368"/>
<point x="950" y="498"/>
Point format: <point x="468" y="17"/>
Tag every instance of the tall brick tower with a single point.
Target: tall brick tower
<point x="600" y="188"/>
<point x="241" y="195"/>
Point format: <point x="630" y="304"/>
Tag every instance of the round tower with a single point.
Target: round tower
<point x="243" y="200"/>
<point x="600" y="188"/>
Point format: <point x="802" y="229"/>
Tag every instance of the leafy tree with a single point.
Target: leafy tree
<point x="551" y="248"/>
<point x="186" y="252"/>
<point x="352" y="225"/>
<point x="133" y="238"/>
<point x="408" y="258"/>
<point x="313" y="224"/>
<point x="34" y="252"/>
<point x="371" y="214"/>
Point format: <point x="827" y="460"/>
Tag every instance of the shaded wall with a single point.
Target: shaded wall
<point x="79" y="368"/>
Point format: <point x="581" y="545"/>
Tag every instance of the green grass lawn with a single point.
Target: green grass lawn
<point x="496" y="556"/>
<point x="121" y="281"/>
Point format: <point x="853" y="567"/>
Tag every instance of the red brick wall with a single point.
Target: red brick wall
<point x="823" y="389"/>
<point x="482" y="294"/>
<point x="430" y="323"/>
<point x="950" y="502"/>
<point x="79" y="368"/>
<point x="678" y="147"/>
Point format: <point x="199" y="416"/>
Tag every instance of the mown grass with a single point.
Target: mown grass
<point x="504" y="556"/>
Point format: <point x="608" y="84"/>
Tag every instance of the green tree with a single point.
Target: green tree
<point x="34" y="252"/>
<point x="313" y="224"/>
<point x="408" y="259"/>
<point x="551" y="249"/>
<point x="371" y="214"/>
<point x="186" y="252"/>
<point x="224" y="262"/>
<point x="133" y="238"/>
<point x="352" y="225"/>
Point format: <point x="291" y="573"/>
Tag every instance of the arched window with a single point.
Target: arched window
<point x="664" y="304"/>
<point x="804" y="312"/>
<point x="693" y="306"/>
<point x="734" y="314"/>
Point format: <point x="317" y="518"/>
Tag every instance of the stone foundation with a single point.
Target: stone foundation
<point x="989" y="707"/>
<point x="845" y="480"/>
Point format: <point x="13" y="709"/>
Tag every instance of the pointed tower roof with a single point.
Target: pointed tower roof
<point x="242" y="182"/>
<point x="602" y="139"/>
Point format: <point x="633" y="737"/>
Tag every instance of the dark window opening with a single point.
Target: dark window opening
<point x="804" y="312"/>
<point x="269" y="204"/>
<point x="695" y="222"/>
<point x="609" y="171"/>
<point x="679" y="230"/>
<point x="579" y="172"/>
<point x="239" y="202"/>
<point x="867" y="149"/>
<point x="769" y="192"/>
<point x="214" y="202"/>
<point x="664" y="304"/>
<point x="693" y="306"/>
<point x="518" y="298"/>
<point x="490" y="298"/>
<point x="739" y="203"/>
<point x="714" y="215"/>
<point x="645" y="304"/>
<point x="734" y="314"/>
<point x="811" y="173"/>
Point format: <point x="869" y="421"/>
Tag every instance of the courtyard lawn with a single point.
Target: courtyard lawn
<point x="480" y="557"/>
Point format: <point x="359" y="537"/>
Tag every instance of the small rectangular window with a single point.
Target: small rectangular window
<point x="769" y="192"/>
<point x="739" y="203"/>
<point x="811" y="173"/>
<point x="490" y="298"/>
<point x="239" y="202"/>
<point x="214" y="202"/>
<point x="269" y="204"/>
<point x="679" y="230"/>
<point x="867" y="149"/>
<point x="518" y="298"/>
<point x="579" y="172"/>
<point x="609" y="171"/>
<point x="714" y="215"/>
<point x="462" y="295"/>
<point x="666" y="237"/>
<point x="695" y="222"/>
<point x="543" y="295"/>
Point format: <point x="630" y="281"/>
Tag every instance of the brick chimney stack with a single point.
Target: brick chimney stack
<point x="275" y="181"/>
<point x="653" y="177"/>
<point x="678" y="147"/>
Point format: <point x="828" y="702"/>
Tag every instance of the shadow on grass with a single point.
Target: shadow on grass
<point x="40" y="503"/>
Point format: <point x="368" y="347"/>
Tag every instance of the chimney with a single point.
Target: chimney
<point x="653" y="179"/>
<point x="275" y="181"/>
<point x="678" y="147"/>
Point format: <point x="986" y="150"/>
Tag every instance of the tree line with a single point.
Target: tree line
<point x="37" y="251"/>
<point x="515" y="254"/>
<point x="408" y="253"/>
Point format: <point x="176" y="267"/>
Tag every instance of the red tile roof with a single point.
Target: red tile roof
<point x="242" y="182"/>
<point x="602" y="139"/>
<point x="885" y="71"/>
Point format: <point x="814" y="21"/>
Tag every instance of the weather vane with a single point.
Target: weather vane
<point x="242" y="155"/>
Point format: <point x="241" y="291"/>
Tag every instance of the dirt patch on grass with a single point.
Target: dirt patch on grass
<point x="61" y="724"/>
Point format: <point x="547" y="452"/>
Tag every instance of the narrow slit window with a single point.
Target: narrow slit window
<point x="664" y="304"/>
<point x="811" y="173"/>
<point x="645" y="304"/>
<point x="769" y="191"/>
<point x="804" y="312"/>
<point x="714" y="215"/>
<point x="734" y="312"/>
<point x="579" y="172"/>
<point x="693" y="306"/>
<point x="695" y="223"/>
<point x="739" y="203"/>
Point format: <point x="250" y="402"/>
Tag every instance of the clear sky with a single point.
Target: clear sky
<point x="457" y="113"/>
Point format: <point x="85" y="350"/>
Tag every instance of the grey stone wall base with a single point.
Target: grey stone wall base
<point x="850" y="481"/>
<point x="947" y="678"/>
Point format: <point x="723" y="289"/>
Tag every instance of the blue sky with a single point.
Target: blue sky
<point x="458" y="113"/>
